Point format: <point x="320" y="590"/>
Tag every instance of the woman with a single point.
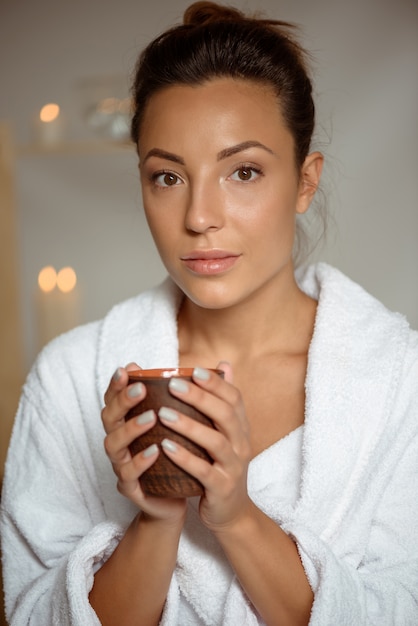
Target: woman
<point x="309" y="508"/>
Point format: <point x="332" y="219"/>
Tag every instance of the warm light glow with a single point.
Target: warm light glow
<point x="108" y="106"/>
<point x="49" y="112"/>
<point x="47" y="278"/>
<point x="66" y="279"/>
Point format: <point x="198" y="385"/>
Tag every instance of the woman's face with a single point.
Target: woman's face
<point x="221" y="190"/>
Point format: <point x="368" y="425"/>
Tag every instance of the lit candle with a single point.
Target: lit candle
<point x="58" y="303"/>
<point x="69" y="298"/>
<point x="49" y="125"/>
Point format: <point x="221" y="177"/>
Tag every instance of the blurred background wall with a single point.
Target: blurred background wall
<point x="74" y="198"/>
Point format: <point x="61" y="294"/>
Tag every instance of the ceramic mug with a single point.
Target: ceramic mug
<point x="164" y="478"/>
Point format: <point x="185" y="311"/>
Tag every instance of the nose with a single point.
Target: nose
<point x="205" y="211"/>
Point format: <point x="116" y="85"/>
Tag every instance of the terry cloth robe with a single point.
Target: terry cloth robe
<point x="355" y="520"/>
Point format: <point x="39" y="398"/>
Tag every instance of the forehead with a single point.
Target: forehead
<point x="222" y="106"/>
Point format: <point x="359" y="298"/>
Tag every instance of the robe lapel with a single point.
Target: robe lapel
<point x="353" y="369"/>
<point x="141" y="330"/>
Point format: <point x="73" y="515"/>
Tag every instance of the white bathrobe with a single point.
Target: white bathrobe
<point x="355" y="520"/>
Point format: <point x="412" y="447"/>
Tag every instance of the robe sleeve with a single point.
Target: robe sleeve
<point x="54" y="531"/>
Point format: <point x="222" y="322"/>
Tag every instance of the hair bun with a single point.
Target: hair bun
<point x="200" y="13"/>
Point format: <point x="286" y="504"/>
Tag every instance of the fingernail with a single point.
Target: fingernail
<point x="169" y="445"/>
<point x="200" y="373"/>
<point x="146" y="417"/>
<point x="135" y="390"/>
<point x="116" y="376"/>
<point x="168" y="414"/>
<point x="178" y="384"/>
<point x="152" y="449"/>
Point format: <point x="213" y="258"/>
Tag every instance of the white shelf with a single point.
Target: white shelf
<point x="73" y="148"/>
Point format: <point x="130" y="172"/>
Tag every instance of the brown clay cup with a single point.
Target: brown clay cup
<point x="164" y="478"/>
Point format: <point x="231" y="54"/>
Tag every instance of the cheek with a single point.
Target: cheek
<point x="163" y="233"/>
<point x="270" y="212"/>
<point x="155" y="215"/>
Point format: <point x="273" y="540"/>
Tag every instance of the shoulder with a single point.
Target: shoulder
<point x="79" y="355"/>
<point x="63" y="352"/>
<point x="358" y="337"/>
<point x="340" y="296"/>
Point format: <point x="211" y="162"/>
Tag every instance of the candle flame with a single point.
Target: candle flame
<point x="49" y="112"/>
<point x="66" y="279"/>
<point x="47" y="278"/>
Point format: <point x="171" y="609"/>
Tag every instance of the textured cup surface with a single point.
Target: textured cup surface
<point x="164" y="478"/>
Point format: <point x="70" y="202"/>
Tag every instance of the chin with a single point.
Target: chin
<point x="210" y="297"/>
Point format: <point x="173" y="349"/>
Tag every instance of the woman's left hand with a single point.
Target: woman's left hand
<point x="225" y="481"/>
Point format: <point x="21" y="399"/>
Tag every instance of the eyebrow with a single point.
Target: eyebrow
<point x="240" y="147"/>
<point x="163" y="154"/>
<point x="223" y="154"/>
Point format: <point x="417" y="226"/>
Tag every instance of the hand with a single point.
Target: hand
<point x="228" y="444"/>
<point x="119" y="398"/>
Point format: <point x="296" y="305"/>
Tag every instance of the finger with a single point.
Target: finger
<point x="118" y="441"/>
<point x="183" y="458"/>
<point x="210" y="475"/>
<point x="130" y="473"/>
<point x="208" y="380"/>
<point x="132" y="470"/>
<point x="214" y="397"/>
<point x="226" y="367"/>
<point x="131" y="367"/>
<point x="119" y="380"/>
<point x="219" y="386"/>
<point x="113" y="414"/>
<point x="219" y="447"/>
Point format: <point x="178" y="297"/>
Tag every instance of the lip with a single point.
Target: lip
<point x="210" y="262"/>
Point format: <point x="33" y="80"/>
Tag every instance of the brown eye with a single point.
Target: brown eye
<point x="165" y="179"/>
<point x="245" y="173"/>
<point x="169" y="179"/>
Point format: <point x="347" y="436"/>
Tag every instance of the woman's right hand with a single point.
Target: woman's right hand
<point x="119" y="398"/>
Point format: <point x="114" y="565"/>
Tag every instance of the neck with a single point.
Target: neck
<point x="277" y="320"/>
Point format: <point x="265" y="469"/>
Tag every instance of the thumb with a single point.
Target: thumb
<point x="227" y="370"/>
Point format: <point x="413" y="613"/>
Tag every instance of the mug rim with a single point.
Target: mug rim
<point x="167" y="372"/>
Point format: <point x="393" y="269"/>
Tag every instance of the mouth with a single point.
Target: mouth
<point x="210" y="262"/>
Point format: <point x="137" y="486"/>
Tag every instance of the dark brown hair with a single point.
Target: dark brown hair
<point x="219" y="41"/>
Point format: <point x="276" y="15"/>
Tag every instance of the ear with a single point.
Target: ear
<point x="309" y="180"/>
